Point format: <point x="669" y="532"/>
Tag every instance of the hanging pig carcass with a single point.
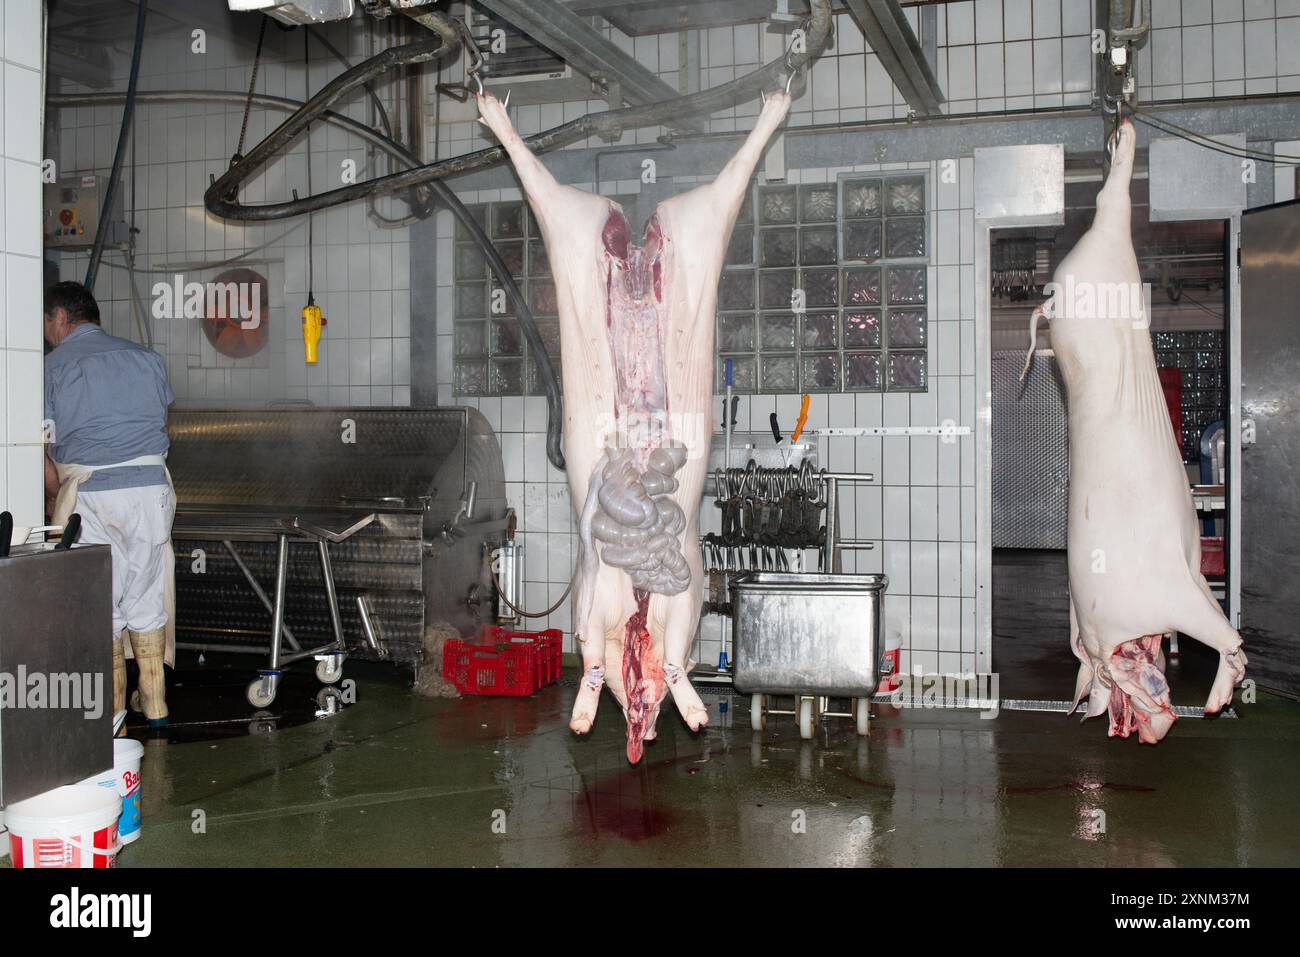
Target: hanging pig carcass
<point x="637" y="356"/>
<point x="1134" y="547"/>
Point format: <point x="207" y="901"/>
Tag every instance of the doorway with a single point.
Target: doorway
<point x="1185" y="264"/>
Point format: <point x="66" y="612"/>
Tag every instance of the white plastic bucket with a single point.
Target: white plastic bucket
<point x="124" y="779"/>
<point x="71" y="826"/>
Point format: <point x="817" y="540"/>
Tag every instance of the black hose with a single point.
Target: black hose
<point x="115" y="177"/>
<point x="221" y="198"/>
<point x="418" y="200"/>
<point x="554" y="404"/>
<point x="347" y="65"/>
<point x="223" y="193"/>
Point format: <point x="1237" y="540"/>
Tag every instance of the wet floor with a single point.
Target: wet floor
<point x="398" y="780"/>
<point x="1031" y="627"/>
<point x="393" y="779"/>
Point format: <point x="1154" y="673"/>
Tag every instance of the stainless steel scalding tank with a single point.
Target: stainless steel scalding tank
<point x="406" y="499"/>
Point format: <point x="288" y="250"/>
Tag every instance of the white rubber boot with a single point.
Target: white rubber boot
<point x="148" y="647"/>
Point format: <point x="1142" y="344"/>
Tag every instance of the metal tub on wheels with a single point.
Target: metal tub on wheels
<point x="810" y="636"/>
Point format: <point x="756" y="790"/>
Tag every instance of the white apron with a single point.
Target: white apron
<point x="71" y="477"/>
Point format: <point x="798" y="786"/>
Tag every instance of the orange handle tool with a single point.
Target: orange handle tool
<point x="803" y="419"/>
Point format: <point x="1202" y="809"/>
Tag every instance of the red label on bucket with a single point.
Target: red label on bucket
<point x="57" y="853"/>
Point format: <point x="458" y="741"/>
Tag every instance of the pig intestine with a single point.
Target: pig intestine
<point x="630" y="509"/>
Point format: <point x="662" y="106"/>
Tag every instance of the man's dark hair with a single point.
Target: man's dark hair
<point x="75" y="298"/>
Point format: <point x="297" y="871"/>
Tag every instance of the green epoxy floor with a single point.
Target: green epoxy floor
<point x="399" y="780"/>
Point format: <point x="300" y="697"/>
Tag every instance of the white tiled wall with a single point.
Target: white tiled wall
<point x="360" y="271"/>
<point x="21" y="347"/>
<point x="1221" y="48"/>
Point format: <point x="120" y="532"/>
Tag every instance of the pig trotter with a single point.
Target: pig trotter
<point x="1232" y="669"/>
<point x="688" y="702"/>
<point x="686" y="697"/>
<point x="584" y="709"/>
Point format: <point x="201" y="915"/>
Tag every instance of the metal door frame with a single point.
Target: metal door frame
<point x="1023" y="214"/>
<point x="1232" y="319"/>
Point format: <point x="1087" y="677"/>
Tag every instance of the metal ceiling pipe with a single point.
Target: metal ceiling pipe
<point x="568" y="36"/>
<point x="221" y="199"/>
<point x="890" y="37"/>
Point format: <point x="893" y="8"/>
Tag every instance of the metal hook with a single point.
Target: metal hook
<point x="478" y="83"/>
<point x="789" y="81"/>
<point x="471" y="47"/>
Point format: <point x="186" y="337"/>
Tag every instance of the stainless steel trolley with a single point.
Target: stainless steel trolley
<point x="811" y="636"/>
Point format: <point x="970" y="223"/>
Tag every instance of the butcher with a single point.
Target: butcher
<point x="637" y="351"/>
<point x="106" y="403"/>
<point x="1133" y="541"/>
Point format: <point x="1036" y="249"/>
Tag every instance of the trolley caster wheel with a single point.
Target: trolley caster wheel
<point x="757" y="712"/>
<point x="862" y="715"/>
<point x="263" y="723"/>
<point x="329" y="700"/>
<point x="329" y="669"/>
<point x="807" y="718"/>
<point x="261" y="691"/>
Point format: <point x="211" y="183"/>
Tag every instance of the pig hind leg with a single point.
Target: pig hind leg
<point x="593" y="634"/>
<point x="588" y="611"/>
<point x="682" y="619"/>
<point x="593" y="679"/>
<point x="1084" y="684"/>
<point x="1204" y="621"/>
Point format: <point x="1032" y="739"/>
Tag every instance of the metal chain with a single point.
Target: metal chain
<point x="252" y="83"/>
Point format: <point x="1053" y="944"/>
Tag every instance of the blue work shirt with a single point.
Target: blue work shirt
<point x="108" y="399"/>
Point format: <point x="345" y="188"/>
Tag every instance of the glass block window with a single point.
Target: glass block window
<point x="491" y="353"/>
<point x="1200" y="358"/>
<point x="825" y="288"/>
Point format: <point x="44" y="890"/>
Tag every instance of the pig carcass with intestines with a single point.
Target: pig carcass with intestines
<point x="1133" y="537"/>
<point x="637" y="358"/>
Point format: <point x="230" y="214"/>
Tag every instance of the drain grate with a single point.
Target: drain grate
<point x="1063" y="707"/>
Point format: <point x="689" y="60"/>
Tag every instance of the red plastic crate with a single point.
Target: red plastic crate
<point x="505" y="669"/>
<point x="1212" y="556"/>
<point x="498" y="661"/>
<point x="549" y="644"/>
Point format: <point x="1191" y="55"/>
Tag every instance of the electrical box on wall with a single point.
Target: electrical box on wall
<point x="71" y="211"/>
<point x="1188" y="181"/>
<point x="1020" y="185"/>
